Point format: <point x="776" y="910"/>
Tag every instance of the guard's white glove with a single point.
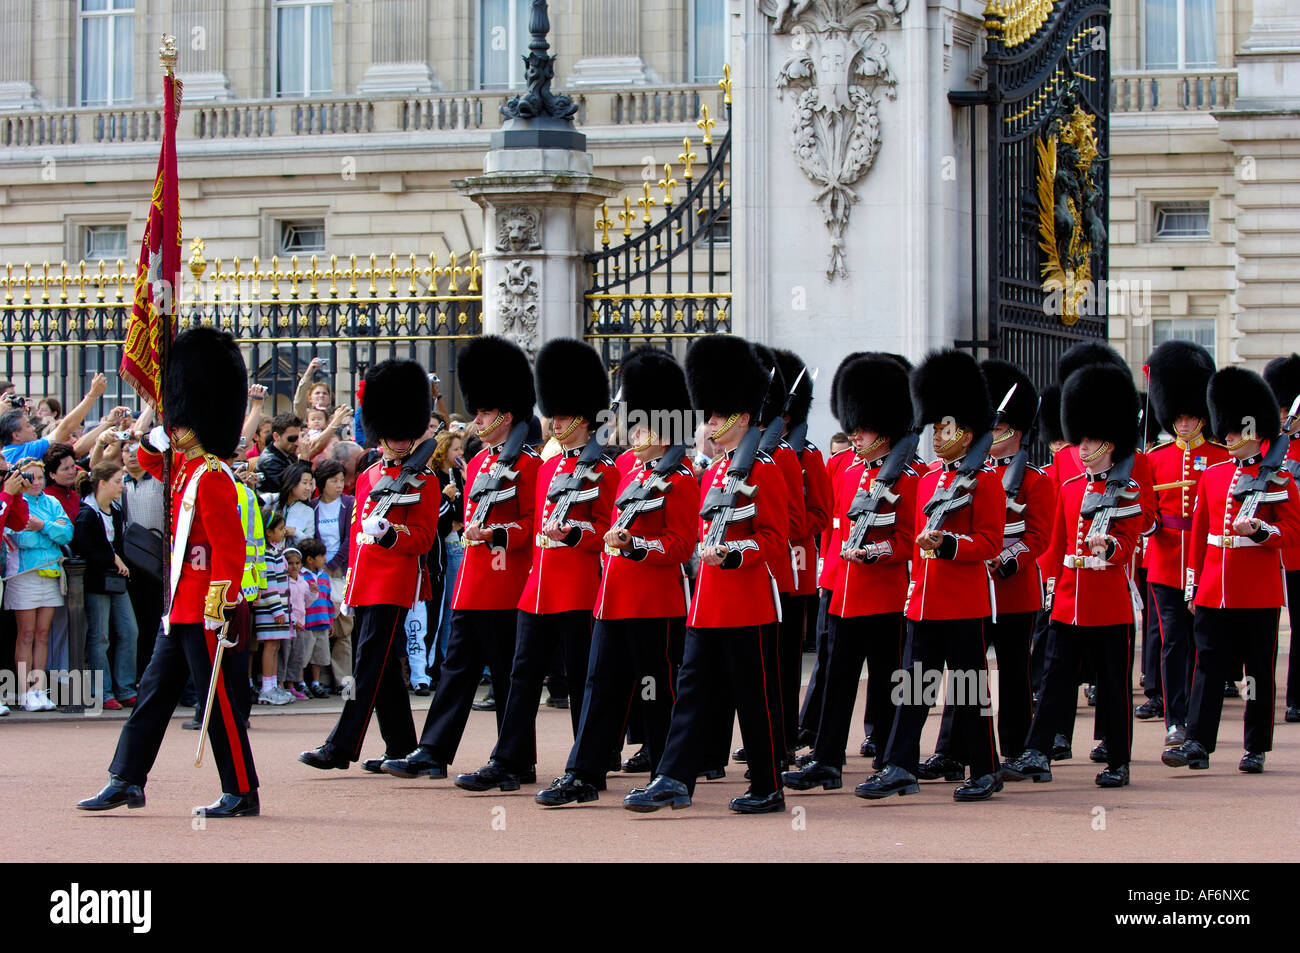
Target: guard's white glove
<point x="159" y="440"/>
<point x="375" y="526"/>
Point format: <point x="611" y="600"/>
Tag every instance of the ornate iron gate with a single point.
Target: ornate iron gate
<point x="667" y="280"/>
<point x="1047" y="183"/>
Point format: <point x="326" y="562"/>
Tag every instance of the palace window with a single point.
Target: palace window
<point x="1179" y="34"/>
<point x="708" y="40"/>
<point x="301" y="236"/>
<point x="106" y="47"/>
<point x="503" y="43"/>
<point x="103" y="242"/>
<point x="304" y="38"/>
<point x="1180" y="221"/>
<point x="1197" y="330"/>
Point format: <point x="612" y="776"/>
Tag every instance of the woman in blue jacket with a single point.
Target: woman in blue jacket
<point x="35" y="586"/>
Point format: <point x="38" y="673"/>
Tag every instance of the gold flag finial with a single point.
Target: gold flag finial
<point x="167" y="53"/>
<point x="198" y="264"/>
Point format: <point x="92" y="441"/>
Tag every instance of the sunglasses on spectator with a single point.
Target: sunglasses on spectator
<point x="293" y="439"/>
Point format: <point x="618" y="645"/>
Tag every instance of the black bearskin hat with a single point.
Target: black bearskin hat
<point x="873" y="395"/>
<point x="1178" y="372"/>
<point x="1049" y="414"/>
<point x="571" y="380"/>
<point x="1099" y="401"/>
<point x="948" y="383"/>
<point x="653" y="385"/>
<point x="1238" y="398"/>
<point x="835" y="382"/>
<point x="725" y="376"/>
<point x="1000" y="377"/>
<point x="397" y="404"/>
<point x="1081" y="355"/>
<point x="206" y="388"/>
<point x="791" y="367"/>
<point x="1283" y="375"/>
<point x="493" y="373"/>
<point x="774" y="394"/>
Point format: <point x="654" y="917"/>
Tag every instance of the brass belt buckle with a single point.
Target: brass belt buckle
<point x="927" y="554"/>
<point x="1228" y="542"/>
<point x="1080" y="561"/>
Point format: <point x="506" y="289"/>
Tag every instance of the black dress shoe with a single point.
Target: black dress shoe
<point x="418" y="762"/>
<point x="978" y="789"/>
<point x="1030" y="766"/>
<point x="232" y="805"/>
<point x="739" y="755"/>
<point x="807" y="738"/>
<point x="1151" y="709"/>
<point x="567" y="790"/>
<point x="1061" y="750"/>
<point x="491" y="775"/>
<point x="892" y="780"/>
<point x="561" y="701"/>
<point x="1230" y="690"/>
<point x="1189" y="754"/>
<point x="194" y="724"/>
<point x="663" y="791"/>
<point x="639" y="763"/>
<point x="375" y="765"/>
<point x="487" y="703"/>
<point x="1252" y="762"/>
<point x="325" y="757"/>
<point x="1099" y="754"/>
<point x="940" y="766"/>
<point x="1090" y="693"/>
<point x="712" y="774"/>
<point x="423" y="690"/>
<point x="828" y="777"/>
<point x="1113" y="777"/>
<point x="868" y="749"/>
<point x="116" y="793"/>
<point x="768" y="804"/>
<point x="804" y="760"/>
<point x="1292" y="715"/>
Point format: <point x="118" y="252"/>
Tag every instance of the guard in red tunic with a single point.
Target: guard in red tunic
<point x="732" y="620"/>
<point x="204" y="395"/>
<point x="640" y="626"/>
<point x="1247" y="512"/>
<point x="960" y="517"/>
<point x="497" y="385"/>
<point x="1096" y="530"/>
<point x="1017" y="583"/>
<point x="1179" y="372"/>
<point x="394" y="523"/>
<point x="1283" y="376"/>
<point x="870" y="584"/>
<point x="575" y="493"/>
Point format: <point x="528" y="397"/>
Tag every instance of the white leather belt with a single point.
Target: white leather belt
<point x="1230" y="542"/>
<point x="1086" y="562"/>
<point x="545" y="542"/>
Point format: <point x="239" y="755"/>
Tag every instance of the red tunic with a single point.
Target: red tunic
<point x="1097" y="591"/>
<point x="960" y="587"/>
<point x="646" y="581"/>
<point x="817" y="518"/>
<point x="392" y="575"/>
<point x="830" y="541"/>
<point x="1022" y="591"/>
<point x="492" y="573"/>
<point x="1247" y="574"/>
<point x="626" y="464"/>
<point x="788" y="462"/>
<point x="565" y="575"/>
<point x="881" y="586"/>
<point x="213" y="569"/>
<point x="1169" y="546"/>
<point x="744" y="595"/>
<point x="1291" y="553"/>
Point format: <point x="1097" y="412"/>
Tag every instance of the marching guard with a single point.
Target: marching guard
<point x="394" y="523"/>
<point x="1283" y="375"/>
<point x="203" y="407"/>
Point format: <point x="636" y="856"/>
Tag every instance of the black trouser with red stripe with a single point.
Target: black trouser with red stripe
<point x="1010" y="636"/>
<point x="378" y="641"/>
<point x="630" y="659"/>
<point x="876" y="640"/>
<point x="1293" y="660"/>
<point x="811" y="712"/>
<point x="1224" y="636"/>
<point x="790" y="662"/>
<point x="535" y="643"/>
<point x="187" y="648"/>
<point x="1153" y="641"/>
<point x="958" y="643"/>
<point x="1112" y="649"/>
<point x="479" y="637"/>
<point x="738" y="660"/>
<point x="1167" y="613"/>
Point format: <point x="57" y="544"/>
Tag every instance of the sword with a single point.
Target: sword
<point x="212" y="689"/>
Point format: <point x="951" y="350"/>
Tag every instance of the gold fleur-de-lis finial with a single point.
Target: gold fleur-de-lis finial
<point x="706" y="124"/>
<point x="645" y="201"/>
<point x="626" y="216"/>
<point x="197" y="262"/>
<point x="668" y="183"/>
<point x="725" y="83"/>
<point x="686" y="158"/>
<point x="167" y="53"/>
<point x="604" y="224"/>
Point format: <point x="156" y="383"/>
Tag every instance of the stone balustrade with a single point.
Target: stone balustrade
<point x="1172" y="91"/>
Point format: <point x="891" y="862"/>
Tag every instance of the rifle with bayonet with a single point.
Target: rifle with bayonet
<point x="393" y="490"/>
<point x="648" y="495"/>
<point x="1105" y="507"/>
<point x="496" y="484"/>
<point x="864" y="510"/>
<point x="582" y="485"/>
<point x="775" y="431"/>
<point x="1274" y="471"/>
<point x="1013" y="478"/>
<point x="723" y="505"/>
<point x="958" y="493"/>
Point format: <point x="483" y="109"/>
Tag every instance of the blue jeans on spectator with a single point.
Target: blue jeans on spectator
<point x="101" y="610"/>
<point x="455" y="551"/>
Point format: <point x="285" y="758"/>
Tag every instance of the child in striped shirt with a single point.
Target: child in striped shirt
<point x="271" y="624"/>
<point x="320" y="609"/>
<point x="293" y="655"/>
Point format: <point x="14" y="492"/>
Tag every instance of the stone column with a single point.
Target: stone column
<point x="200" y="36"/>
<point x="398" y="49"/>
<point x="611" y="30"/>
<point x="17" y="90"/>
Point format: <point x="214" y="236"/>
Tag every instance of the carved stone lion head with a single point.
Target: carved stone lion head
<point x="517" y="229"/>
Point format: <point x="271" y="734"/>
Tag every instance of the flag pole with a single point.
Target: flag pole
<point x="167" y="59"/>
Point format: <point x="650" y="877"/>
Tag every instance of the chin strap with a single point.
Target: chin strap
<point x="1105" y="448"/>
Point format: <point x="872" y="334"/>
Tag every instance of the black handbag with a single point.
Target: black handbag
<point x="142" y="550"/>
<point x="114" y="583"/>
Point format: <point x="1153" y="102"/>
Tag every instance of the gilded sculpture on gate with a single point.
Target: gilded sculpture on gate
<point x="837" y="63"/>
